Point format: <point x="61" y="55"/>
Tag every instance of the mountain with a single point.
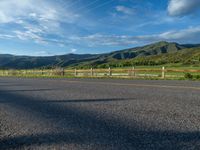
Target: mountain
<point x="152" y="49"/>
<point x="187" y="56"/>
<point x="136" y="56"/>
<point x="151" y="52"/>
<point x="28" y="62"/>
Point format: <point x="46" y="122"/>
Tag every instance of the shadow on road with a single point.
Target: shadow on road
<point x="87" y="100"/>
<point x="31" y="90"/>
<point x="138" y="140"/>
<point x="90" y="129"/>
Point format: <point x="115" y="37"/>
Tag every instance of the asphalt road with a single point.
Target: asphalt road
<point x="99" y="114"/>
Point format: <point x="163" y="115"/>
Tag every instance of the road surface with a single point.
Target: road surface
<point x="102" y="114"/>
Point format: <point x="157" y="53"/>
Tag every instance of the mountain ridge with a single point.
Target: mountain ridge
<point x="92" y="60"/>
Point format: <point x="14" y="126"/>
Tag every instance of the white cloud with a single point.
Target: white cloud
<point x="125" y="10"/>
<point x="37" y="19"/>
<point x="189" y="35"/>
<point x="103" y="40"/>
<point x="12" y="10"/>
<point x="42" y="53"/>
<point x="6" y="36"/>
<point x="28" y="35"/>
<point x="73" y="50"/>
<point x="8" y="13"/>
<point x="183" y="7"/>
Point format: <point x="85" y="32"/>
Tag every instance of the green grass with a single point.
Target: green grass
<point x="116" y="73"/>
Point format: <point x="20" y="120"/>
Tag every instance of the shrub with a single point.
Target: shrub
<point x="12" y="72"/>
<point x="188" y="76"/>
<point x="58" y="71"/>
<point x="197" y="77"/>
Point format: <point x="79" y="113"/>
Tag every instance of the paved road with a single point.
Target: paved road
<point x="99" y="114"/>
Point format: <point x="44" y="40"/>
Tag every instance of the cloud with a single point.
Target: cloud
<point x="29" y="35"/>
<point x="73" y="50"/>
<point x="125" y="10"/>
<point x="102" y="40"/>
<point x="189" y="35"/>
<point x="37" y="37"/>
<point x="42" y="53"/>
<point x="27" y="9"/>
<point x="31" y="21"/>
<point x="183" y="7"/>
<point x="51" y="22"/>
<point x="6" y="36"/>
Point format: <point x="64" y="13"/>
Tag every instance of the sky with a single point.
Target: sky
<point x="56" y="27"/>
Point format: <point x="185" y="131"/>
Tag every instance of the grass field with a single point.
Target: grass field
<point x="147" y="72"/>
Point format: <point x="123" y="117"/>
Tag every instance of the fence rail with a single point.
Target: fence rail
<point x="124" y="73"/>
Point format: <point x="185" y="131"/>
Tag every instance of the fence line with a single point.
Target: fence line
<point x="125" y="73"/>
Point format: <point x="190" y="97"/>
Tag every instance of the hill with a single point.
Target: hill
<point x="188" y="56"/>
<point x="147" y="55"/>
<point x="153" y="54"/>
<point x="28" y="62"/>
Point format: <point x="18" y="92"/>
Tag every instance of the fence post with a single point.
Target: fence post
<point x="163" y="72"/>
<point x="63" y="72"/>
<point x="92" y="72"/>
<point x="51" y="74"/>
<point x="133" y="70"/>
<point x="109" y="71"/>
<point x="75" y="72"/>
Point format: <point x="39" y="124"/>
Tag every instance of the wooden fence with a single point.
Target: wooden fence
<point x="123" y="73"/>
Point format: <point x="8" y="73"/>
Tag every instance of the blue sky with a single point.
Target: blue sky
<point x="54" y="27"/>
